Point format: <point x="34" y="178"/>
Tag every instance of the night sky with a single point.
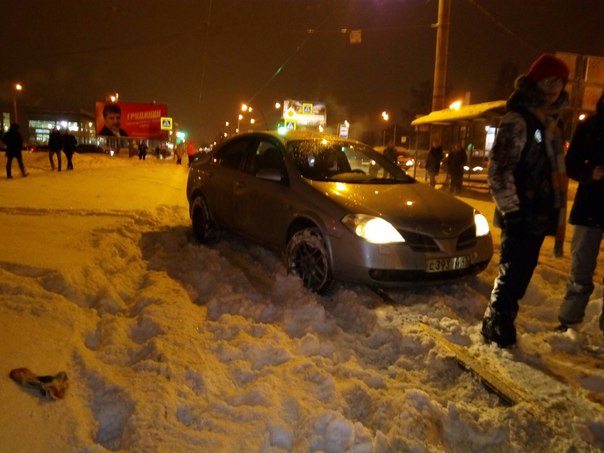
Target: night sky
<point x="204" y="58"/>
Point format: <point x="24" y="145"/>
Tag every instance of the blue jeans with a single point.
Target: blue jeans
<point x="584" y="252"/>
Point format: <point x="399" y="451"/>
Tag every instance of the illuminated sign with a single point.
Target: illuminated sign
<point x="122" y="119"/>
<point x="312" y="114"/>
<point x="166" y="123"/>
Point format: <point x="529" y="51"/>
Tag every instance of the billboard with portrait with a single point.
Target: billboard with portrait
<point x="127" y="119"/>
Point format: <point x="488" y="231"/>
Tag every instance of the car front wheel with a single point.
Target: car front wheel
<point x="203" y="227"/>
<point x="308" y="259"/>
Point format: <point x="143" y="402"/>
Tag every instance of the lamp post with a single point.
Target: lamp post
<point x="18" y="88"/>
<point x="244" y="108"/>
<point x="386" y="117"/>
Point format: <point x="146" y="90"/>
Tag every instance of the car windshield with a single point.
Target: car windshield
<point x="341" y="161"/>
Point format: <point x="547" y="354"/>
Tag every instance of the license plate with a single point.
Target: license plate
<point x="448" y="264"/>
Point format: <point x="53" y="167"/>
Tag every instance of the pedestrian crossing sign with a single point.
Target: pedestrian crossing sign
<point x="166" y="123"/>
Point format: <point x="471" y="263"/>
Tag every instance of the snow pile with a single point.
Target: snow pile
<point x="174" y="346"/>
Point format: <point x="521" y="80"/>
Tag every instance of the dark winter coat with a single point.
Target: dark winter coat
<point x="69" y="143"/>
<point x="13" y="141"/>
<point x="55" y="141"/>
<point x="456" y="161"/>
<point x="520" y="173"/>
<point x="435" y="156"/>
<point x="585" y="152"/>
<point x="391" y="154"/>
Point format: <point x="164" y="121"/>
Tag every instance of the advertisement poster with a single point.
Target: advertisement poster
<point x="135" y="120"/>
<point x="305" y="113"/>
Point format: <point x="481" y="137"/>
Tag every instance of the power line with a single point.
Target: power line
<point x="289" y="58"/>
<point x="502" y="26"/>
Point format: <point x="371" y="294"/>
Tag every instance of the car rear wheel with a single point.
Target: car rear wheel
<point x="203" y="227"/>
<point x="308" y="259"/>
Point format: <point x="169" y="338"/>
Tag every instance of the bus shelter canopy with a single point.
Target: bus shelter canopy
<point x="465" y="112"/>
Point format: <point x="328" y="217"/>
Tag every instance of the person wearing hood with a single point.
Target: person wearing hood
<point x="527" y="179"/>
<point x="585" y="164"/>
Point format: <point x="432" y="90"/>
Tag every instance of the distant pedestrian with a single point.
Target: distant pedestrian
<point x="69" y="146"/>
<point x="390" y="152"/>
<point x="14" y="149"/>
<point x="190" y="152"/>
<point x="457" y="160"/>
<point x="55" y="145"/>
<point x="527" y="180"/>
<point x="178" y="152"/>
<point x="142" y="150"/>
<point x="435" y="156"/>
<point x="585" y="164"/>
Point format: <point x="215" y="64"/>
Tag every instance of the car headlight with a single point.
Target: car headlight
<point x="482" y="225"/>
<point x="373" y="229"/>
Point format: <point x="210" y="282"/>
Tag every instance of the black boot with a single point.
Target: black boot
<point x="499" y="329"/>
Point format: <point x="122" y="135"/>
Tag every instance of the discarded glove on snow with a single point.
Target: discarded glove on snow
<point x="52" y="387"/>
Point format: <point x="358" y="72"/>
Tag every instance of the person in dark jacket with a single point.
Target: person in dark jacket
<point x="390" y="152"/>
<point x="14" y="149"/>
<point x="142" y="150"/>
<point x="585" y="164"/>
<point x="55" y="145"/>
<point x="69" y="146"/>
<point x="527" y="180"/>
<point x="435" y="157"/>
<point x="456" y="162"/>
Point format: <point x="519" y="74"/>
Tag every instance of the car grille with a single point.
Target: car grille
<point x="419" y="242"/>
<point x="423" y="243"/>
<point x="467" y="238"/>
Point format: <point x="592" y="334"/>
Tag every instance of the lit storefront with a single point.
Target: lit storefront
<point x="40" y="122"/>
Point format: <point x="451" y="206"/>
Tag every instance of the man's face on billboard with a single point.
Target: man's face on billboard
<point x="113" y="120"/>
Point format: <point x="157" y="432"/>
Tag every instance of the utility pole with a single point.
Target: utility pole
<point x="442" y="51"/>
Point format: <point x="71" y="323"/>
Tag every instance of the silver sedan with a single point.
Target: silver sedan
<point x="336" y="209"/>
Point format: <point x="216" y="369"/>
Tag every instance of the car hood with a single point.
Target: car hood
<point x="415" y="206"/>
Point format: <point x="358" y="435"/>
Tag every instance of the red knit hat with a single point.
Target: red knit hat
<point x="547" y="66"/>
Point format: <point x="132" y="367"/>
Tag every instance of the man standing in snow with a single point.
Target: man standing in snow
<point x="527" y="180"/>
<point x="585" y="164"/>
<point x="55" y="145"/>
<point x="435" y="156"/>
<point x="390" y="152"/>
<point x="14" y="147"/>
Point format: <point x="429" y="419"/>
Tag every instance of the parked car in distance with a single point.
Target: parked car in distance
<point x="336" y="209"/>
<point x="404" y="157"/>
<point x="38" y="149"/>
<point x="89" y="148"/>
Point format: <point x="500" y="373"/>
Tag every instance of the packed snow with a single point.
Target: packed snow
<point x="173" y="346"/>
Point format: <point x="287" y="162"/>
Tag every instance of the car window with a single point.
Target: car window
<point x="267" y="155"/>
<point x="232" y="154"/>
<point x="326" y="160"/>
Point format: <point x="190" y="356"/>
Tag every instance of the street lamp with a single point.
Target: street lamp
<point x="386" y="118"/>
<point x="113" y="97"/>
<point x="18" y="88"/>
<point x="244" y="108"/>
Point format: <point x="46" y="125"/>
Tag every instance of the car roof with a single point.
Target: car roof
<point x="299" y="135"/>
